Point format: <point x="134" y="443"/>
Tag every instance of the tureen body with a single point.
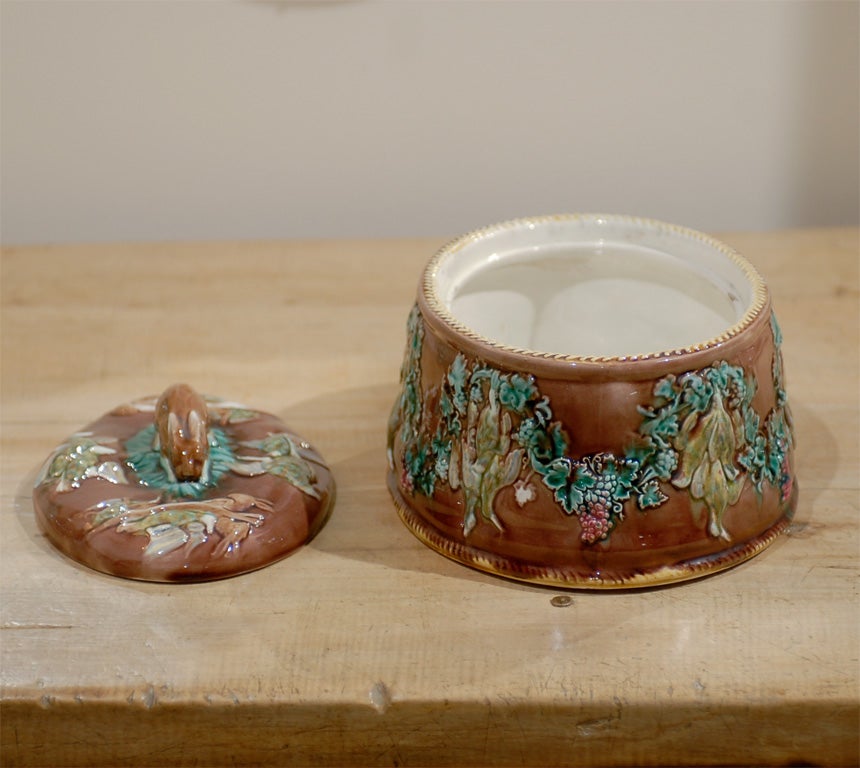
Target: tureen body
<point x="538" y="438"/>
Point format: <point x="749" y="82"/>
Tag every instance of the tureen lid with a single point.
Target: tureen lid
<point x="182" y="487"/>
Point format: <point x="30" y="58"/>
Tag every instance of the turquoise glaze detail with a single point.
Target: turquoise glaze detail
<point x="145" y="459"/>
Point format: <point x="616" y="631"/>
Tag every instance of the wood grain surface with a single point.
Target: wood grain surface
<point x="365" y="647"/>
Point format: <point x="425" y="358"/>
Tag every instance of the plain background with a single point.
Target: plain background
<point x="161" y="120"/>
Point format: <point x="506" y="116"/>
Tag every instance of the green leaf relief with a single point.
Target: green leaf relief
<point x="407" y="410"/>
<point x="494" y="428"/>
<point x="280" y="457"/>
<point x="296" y="471"/>
<point x="76" y="460"/>
<point x="650" y="495"/>
<point x="665" y="388"/>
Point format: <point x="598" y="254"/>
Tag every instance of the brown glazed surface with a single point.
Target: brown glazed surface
<point x="252" y="521"/>
<point x="598" y="405"/>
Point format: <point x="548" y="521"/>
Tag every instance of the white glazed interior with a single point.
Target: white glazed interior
<point x="593" y="286"/>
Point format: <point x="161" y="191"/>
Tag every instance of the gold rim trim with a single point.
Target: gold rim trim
<point x="435" y="304"/>
<point x="570" y="578"/>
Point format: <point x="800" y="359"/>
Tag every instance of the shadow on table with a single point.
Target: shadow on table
<point x="817" y="462"/>
<point x="349" y="428"/>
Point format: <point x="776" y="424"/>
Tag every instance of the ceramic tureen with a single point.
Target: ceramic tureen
<point x="592" y="401"/>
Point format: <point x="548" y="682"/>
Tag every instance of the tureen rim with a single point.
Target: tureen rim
<point x="433" y="302"/>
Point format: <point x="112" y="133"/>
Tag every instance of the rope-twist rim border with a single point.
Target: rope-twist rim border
<point x="437" y="306"/>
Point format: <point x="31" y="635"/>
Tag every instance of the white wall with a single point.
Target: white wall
<point x="136" y="120"/>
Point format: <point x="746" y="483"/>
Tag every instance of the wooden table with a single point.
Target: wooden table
<point x="366" y="647"/>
